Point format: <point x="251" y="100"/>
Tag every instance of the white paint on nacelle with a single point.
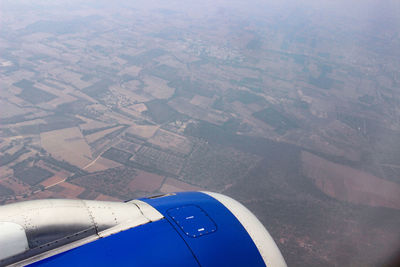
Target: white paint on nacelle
<point x="262" y="239"/>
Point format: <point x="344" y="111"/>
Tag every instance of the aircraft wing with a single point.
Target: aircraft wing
<point x="180" y="229"/>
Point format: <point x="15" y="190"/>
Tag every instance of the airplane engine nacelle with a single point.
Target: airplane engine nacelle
<point x="180" y="229"/>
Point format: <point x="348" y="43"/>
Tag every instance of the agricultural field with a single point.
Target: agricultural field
<point x="292" y="109"/>
<point x="171" y="185"/>
<point x="348" y="184"/>
<point x="170" y="141"/>
<point x="67" y="144"/>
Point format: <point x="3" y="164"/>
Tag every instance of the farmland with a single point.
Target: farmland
<point x="293" y="110"/>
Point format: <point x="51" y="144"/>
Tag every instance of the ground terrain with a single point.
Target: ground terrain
<point x="291" y="108"/>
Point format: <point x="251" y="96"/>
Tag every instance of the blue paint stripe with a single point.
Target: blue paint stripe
<point x="152" y="244"/>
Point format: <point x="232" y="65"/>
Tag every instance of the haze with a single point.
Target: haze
<point x="291" y="107"/>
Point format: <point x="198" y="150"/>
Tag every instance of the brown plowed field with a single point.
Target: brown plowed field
<point x="349" y="184"/>
<point x="145" y="181"/>
<point x="174" y="185"/>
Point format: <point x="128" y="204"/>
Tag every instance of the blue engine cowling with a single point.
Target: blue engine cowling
<point x="181" y="229"/>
